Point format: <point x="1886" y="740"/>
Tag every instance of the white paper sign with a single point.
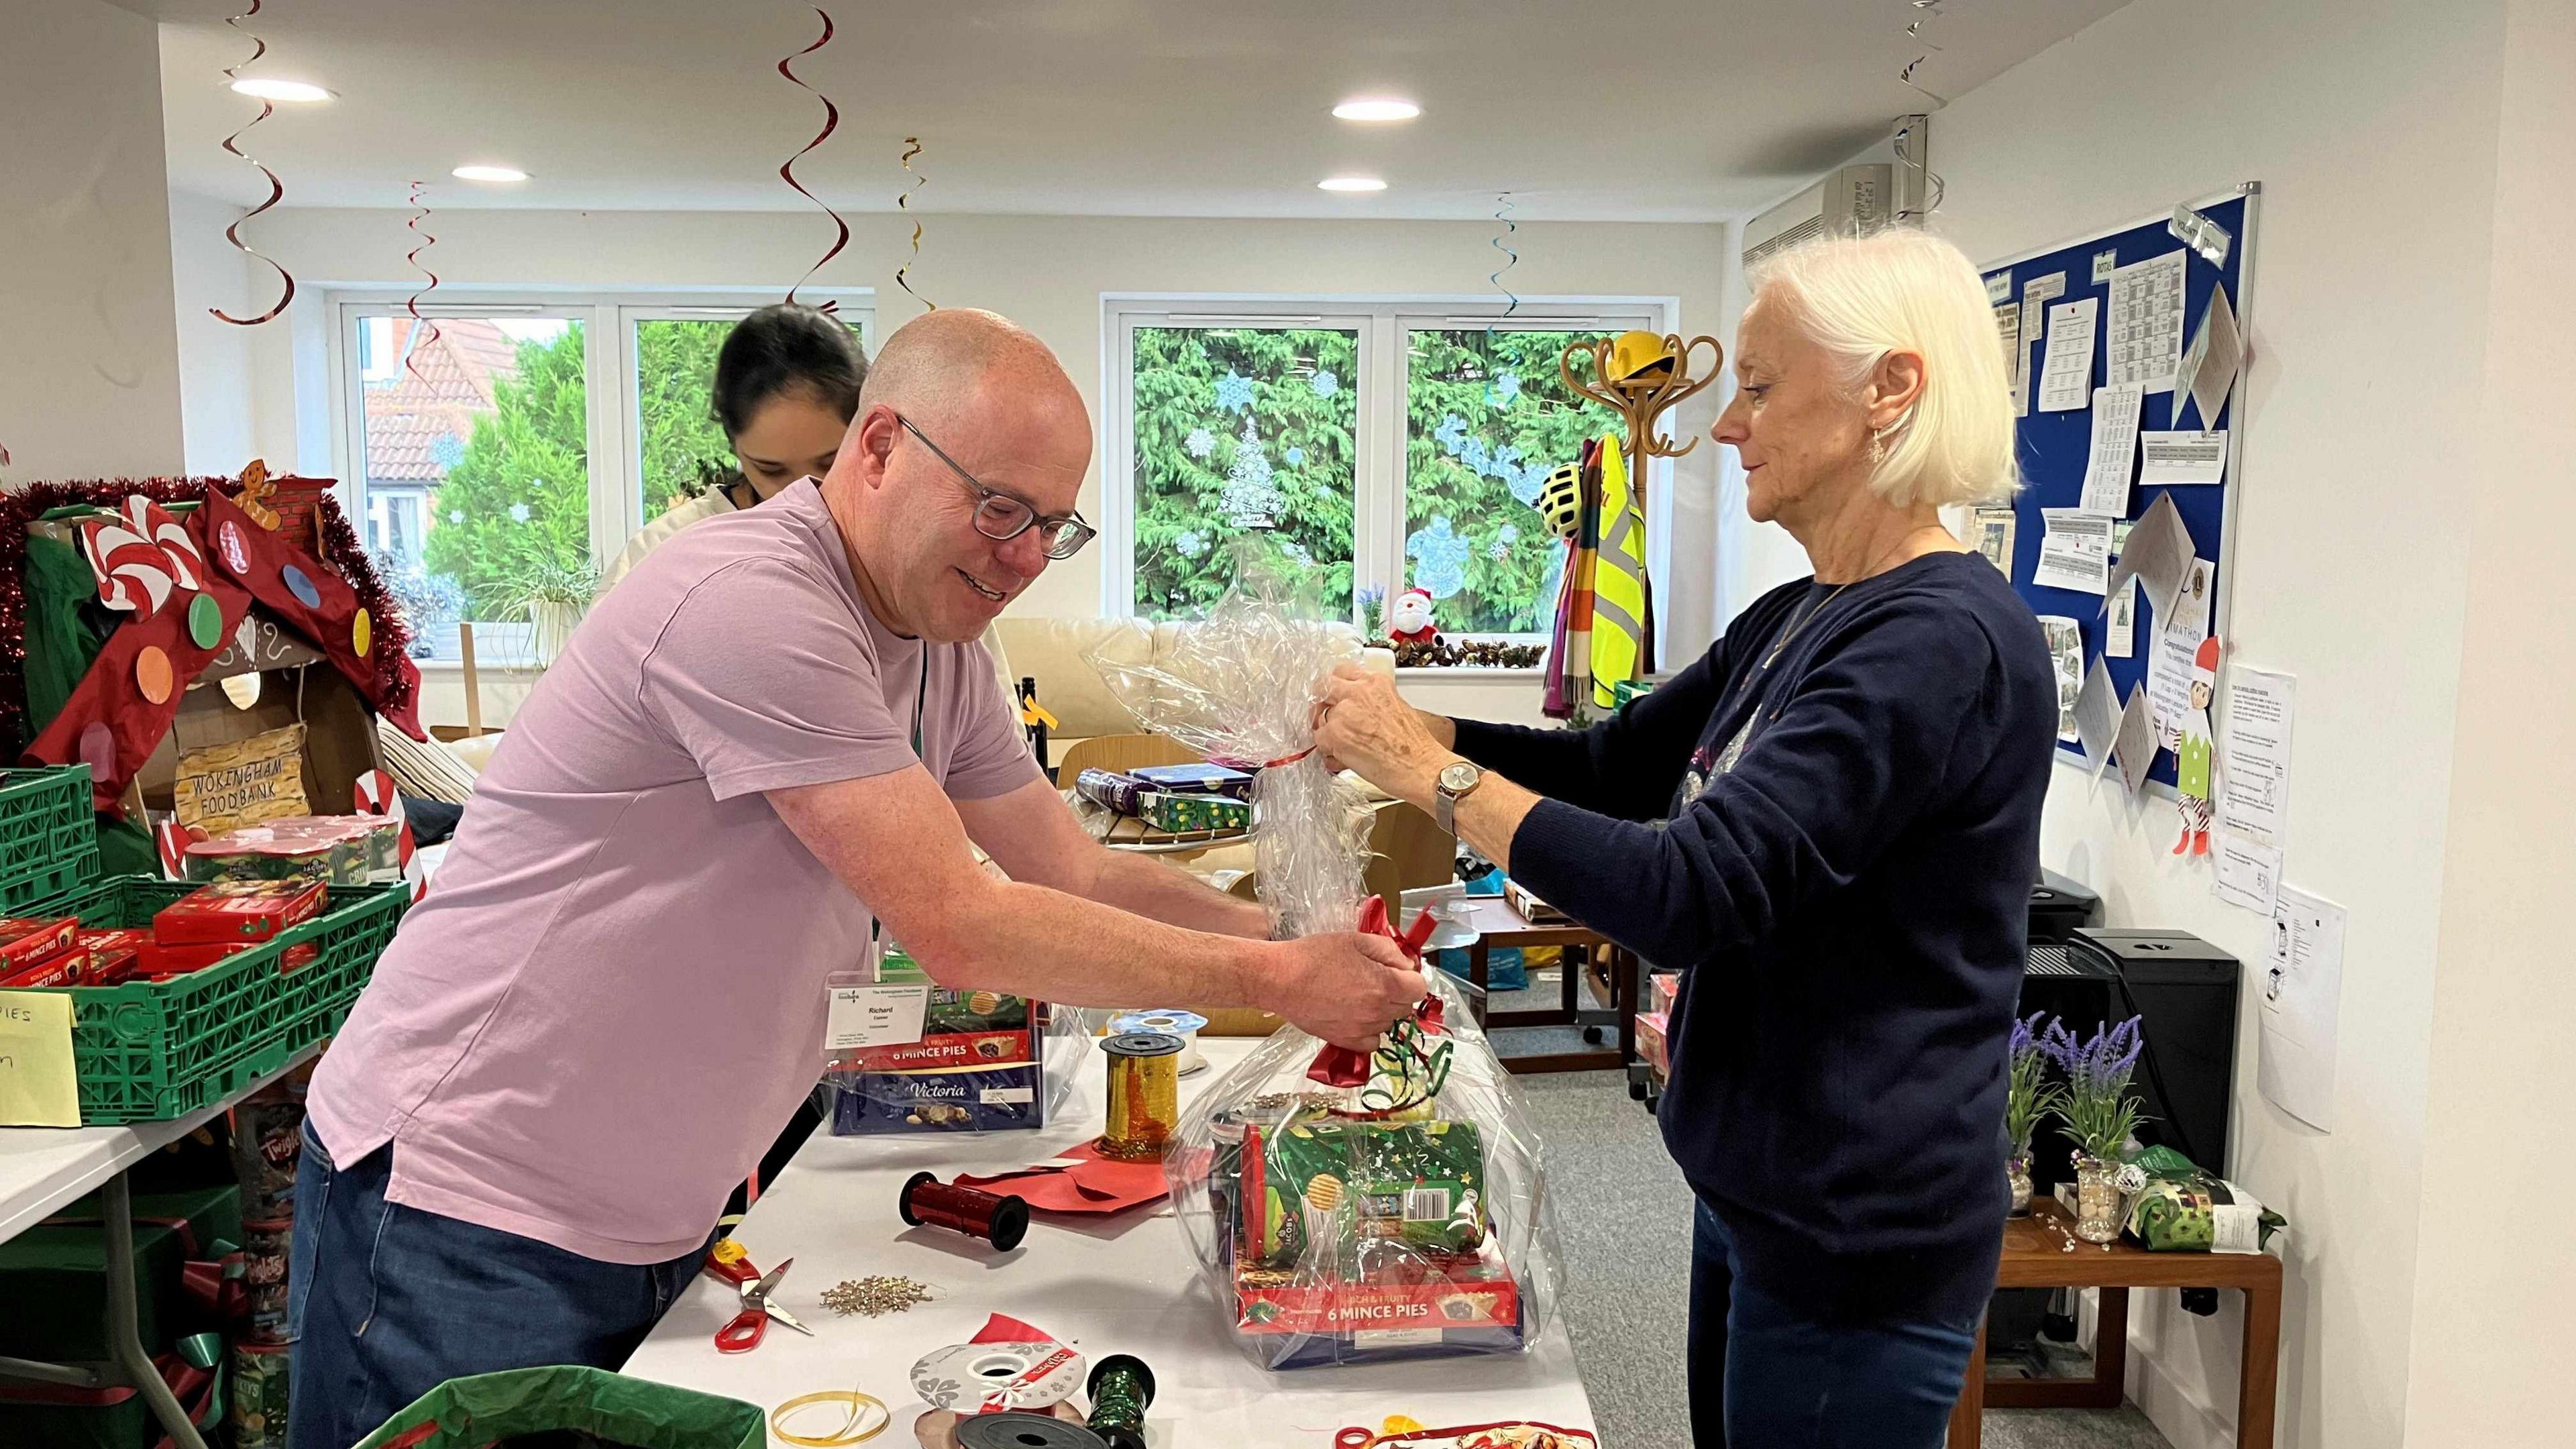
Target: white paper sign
<point x="2208" y="369"/>
<point x="2120" y="625"/>
<point x="1999" y="287"/>
<point x="2142" y="335"/>
<point x="2180" y="459"/>
<point x="2066" y="371"/>
<point x="2035" y="297"/>
<point x="2249" y="875"/>
<point x="2114" y="451"/>
<point x="874" y="1016"/>
<point x="2302" y="997"/>
<point x="2076" y="554"/>
<point x="2104" y="264"/>
<point x="1993" y="535"/>
<point x="2254" y="755"/>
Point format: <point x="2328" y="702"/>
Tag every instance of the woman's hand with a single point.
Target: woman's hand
<point x="1362" y="724"/>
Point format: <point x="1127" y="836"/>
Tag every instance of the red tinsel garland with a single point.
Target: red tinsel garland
<point x="22" y="506"/>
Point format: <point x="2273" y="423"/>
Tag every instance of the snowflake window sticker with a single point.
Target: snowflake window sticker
<point x="518" y="513"/>
<point x="1296" y="457"/>
<point x="1325" y="384"/>
<point x="1440" y="558"/>
<point x="456" y="515"/>
<point x="1189" y="543"/>
<point x="1527" y="483"/>
<point x="1507" y="387"/>
<point x="1200" y="442"/>
<point x="1233" y="392"/>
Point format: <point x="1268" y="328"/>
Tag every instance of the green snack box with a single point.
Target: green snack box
<point x="1181" y="814"/>
<point x="1418" y="1183"/>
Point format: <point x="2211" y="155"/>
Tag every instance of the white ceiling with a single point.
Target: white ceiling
<point x="1661" y="110"/>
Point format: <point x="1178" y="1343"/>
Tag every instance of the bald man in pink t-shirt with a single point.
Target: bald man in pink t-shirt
<point x="778" y="729"/>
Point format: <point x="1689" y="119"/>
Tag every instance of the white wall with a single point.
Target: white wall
<point x="89" y="370"/>
<point x="2493" y="1277"/>
<point x="2373" y="128"/>
<point x="217" y="409"/>
<point x="1049" y="273"/>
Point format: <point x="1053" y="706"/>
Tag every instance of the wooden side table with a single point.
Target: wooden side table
<point x="2035" y="1256"/>
<point x="1497" y="927"/>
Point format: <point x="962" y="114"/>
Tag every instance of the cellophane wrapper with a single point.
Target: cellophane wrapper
<point x="1369" y="1223"/>
<point x="1239" y="687"/>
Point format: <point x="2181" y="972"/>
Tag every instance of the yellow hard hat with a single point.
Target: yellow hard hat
<point x="1639" y="357"/>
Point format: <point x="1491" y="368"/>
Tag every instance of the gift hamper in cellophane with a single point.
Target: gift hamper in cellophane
<point x="1402" y="1216"/>
<point x="1345" y="1207"/>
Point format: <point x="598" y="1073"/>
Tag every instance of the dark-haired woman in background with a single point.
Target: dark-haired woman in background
<point x="787" y="381"/>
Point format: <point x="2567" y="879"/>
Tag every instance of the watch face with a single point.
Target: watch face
<point x="1460" y="777"/>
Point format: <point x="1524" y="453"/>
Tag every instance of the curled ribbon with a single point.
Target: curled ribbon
<point x="787" y="170"/>
<point x="276" y="188"/>
<point x="411" y="304"/>
<point x="1413" y="1067"/>
<point x="903" y="203"/>
<point x="1503" y="213"/>
<point x="1931" y="11"/>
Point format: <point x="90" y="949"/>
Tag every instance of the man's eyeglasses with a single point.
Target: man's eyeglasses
<point x="1000" y="517"/>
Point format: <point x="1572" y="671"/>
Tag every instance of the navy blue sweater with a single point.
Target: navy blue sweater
<point x="1836" y="845"/>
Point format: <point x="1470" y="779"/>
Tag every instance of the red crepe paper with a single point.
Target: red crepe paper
<point x="1342" y="1067"/>
<point x="1094" y="1184"/>
<point x="787" y="171"/>
<point x="276" y="188"/>
<point x="396" y="678"/>
<point x="324" y="622"/>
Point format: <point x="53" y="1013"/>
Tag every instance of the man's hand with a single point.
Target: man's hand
<point x="1362" y="724"/>
<point x="1345" y="987"/>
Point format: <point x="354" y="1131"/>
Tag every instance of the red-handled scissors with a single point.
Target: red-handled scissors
<point x="744" y="1332"/>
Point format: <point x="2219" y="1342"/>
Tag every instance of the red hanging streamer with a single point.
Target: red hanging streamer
<point x="411" y="304"/>
<point x="787" y="171"/>
<point x="276" y="188"/>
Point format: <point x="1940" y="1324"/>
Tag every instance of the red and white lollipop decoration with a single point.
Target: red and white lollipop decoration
<point x="142" y="555"/>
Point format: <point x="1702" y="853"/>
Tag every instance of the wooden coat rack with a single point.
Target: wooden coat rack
<point x="1641" y="399"/>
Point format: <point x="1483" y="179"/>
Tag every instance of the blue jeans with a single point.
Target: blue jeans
<point x="386" y="1302"/>
<point x="1765" y="1376"/>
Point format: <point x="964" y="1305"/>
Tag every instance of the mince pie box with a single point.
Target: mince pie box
<point x="30" y="941"/>
<point x="63" y="968"/>
<point x="113" y="954"/>
<point x="1402" y="1306"/>
<point x="237" y="912"/>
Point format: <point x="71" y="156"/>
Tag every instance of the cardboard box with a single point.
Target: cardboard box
<point x="1653" y="1041"/>
<point x="237" y="912"/>
<point x="1467" y="1306"/>
<point x="866" y="1104"/>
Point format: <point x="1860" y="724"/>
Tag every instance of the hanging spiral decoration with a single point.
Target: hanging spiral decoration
<point x="903" y="203"/>
<point x="411" y="304"/>
<point x="1503" y="208"/>
<point x="787" y="170"/>
<point x="276" y="188"/>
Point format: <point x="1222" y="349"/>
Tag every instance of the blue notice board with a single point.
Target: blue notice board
<point x="2054" y="447"/>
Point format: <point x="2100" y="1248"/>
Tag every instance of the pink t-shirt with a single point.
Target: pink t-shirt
<point x="613" y="998"/>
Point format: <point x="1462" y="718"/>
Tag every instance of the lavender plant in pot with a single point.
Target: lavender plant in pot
<point x="2101" y="1116"/>
<point x="2029" y="1098"/>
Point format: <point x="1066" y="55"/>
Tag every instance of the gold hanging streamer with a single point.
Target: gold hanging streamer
<point x="903" y="203"/>
<point x="276" y="188"/>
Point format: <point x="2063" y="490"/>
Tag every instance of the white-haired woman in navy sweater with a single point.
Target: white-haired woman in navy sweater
<point x="1830" y="823"/>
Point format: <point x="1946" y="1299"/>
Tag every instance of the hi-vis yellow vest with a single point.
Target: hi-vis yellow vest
<point x="1619" y="582"/>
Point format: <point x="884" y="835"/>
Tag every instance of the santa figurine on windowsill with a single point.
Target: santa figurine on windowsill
<point x="1408" y="621"/>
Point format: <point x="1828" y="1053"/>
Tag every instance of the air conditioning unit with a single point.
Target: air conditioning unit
<point x="1848" y="202"/>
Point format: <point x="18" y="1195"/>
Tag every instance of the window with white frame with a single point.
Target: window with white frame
<point x="1385" y="445"/>
<point x="501" y="450"/>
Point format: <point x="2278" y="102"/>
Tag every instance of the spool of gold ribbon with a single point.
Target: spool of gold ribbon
<point x="851" y="1430"/>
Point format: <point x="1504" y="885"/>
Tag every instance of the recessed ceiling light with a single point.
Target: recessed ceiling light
<point x="489" y="173"/>
<point x="269" y="89"/>
<point x="1351" y="183"/>
<point x="1378" y="110"/>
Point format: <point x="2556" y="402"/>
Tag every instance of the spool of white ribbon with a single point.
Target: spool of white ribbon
<point x="1182" y="1024"/>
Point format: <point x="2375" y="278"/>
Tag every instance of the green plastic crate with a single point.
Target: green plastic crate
<point x="148" y="1051"/>
<point x="48" y="834"/>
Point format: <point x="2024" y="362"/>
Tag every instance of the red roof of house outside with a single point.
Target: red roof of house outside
<point x="419" y="422"/>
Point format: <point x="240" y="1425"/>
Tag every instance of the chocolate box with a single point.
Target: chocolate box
<point x="1184" y="813"/>
<point x="869" y="1103"/>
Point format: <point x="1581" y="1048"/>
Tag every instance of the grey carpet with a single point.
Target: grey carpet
<point x="1625" y="1214"/>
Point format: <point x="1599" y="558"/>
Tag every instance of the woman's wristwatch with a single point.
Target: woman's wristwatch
<point x="1454" y="783"/>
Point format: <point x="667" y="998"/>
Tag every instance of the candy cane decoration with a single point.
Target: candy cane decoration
<point x="142" y="556"/>
<point x="377" y="796"/>
<point x="171" y="839"/>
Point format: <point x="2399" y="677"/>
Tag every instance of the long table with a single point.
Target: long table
<point x="44" y="1168"/>
<point x="1127" y="1284"/>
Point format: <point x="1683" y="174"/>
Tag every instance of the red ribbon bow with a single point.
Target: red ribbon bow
<point x="1342" y="1067"/>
